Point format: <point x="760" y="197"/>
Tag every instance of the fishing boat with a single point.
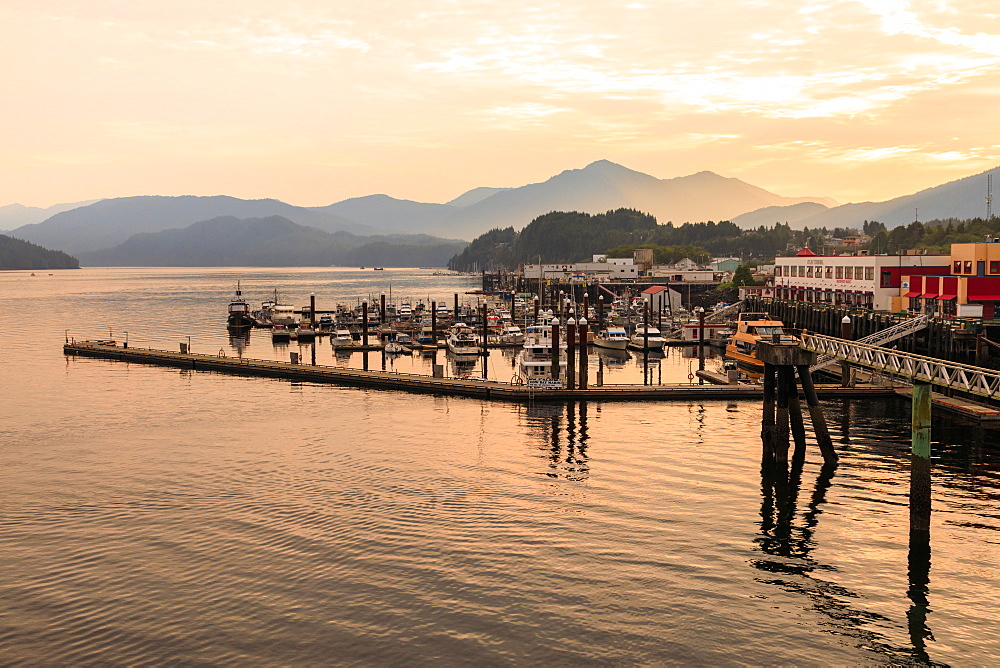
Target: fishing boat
<point x="612" y="338"/>
<point x="750" y="329"/>
<point x="535" y="359"/>
<point x="462" y="340"/>
<point x="647" y="337"/>
<point x="239" y="312"/>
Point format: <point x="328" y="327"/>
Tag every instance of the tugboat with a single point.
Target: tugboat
<point x="239" y="312"/>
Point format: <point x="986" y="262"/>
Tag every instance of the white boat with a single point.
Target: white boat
<point x="648" y="338"/>
<point x="284" y="314"/>
<point x="341" y="338"/>
<point x="463" y="341"/>
<point x="512" y="334"/>
<point x="393" y="347"/>
<point x="535" y="359"/>
<point x="305" y="332"/>
<point x="612" y="338"/>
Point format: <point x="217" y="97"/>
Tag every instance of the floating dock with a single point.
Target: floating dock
<point x="482" y="389"/>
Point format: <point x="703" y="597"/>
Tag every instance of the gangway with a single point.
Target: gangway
<point x="962" y="377"/>
<point x="724" y="312"/>
<point x="881" y="337"/>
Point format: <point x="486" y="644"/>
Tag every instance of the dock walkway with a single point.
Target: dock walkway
<point x="483" y="389"/>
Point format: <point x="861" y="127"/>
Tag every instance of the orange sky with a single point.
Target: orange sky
<point x="312" y="101"/>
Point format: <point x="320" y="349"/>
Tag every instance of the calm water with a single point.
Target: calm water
<point x="155" y="515"/>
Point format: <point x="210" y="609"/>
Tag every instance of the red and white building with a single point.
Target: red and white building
<point x="867" y="281"/>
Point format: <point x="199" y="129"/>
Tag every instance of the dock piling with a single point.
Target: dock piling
<point x="582" y="334"/>
<point x="571" y="356"/>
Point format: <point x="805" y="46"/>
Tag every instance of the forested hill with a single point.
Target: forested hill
<point x="17" y="254"/>
<point x="556" y="237"/>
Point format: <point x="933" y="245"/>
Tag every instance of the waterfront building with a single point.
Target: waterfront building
<point x="971" y="287"/>
<point x="867" y="281"/>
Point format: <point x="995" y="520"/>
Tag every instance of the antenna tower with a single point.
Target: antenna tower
<point x="989" y="197"/>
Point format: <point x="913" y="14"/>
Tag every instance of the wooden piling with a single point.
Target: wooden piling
<point x="555" y="348"/>
<point x="920" y="459"/>
<point x="582" y="335"/>
<point x="768" y="420"/>
<point x="816" y="416"/>
<point x="781" y="426"/>
<point x="571" y="356"/>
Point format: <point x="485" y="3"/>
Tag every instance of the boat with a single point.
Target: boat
<point x="612" y="338"/>
<point x="239" y="312"/>
<point x="647" y="337"/>
<point x="534" y="362"/>
<point x="284" y="314"/>
<point x="393" y="348"/>
<point x="750" y="329"/>
<point x="341" y="338"/>
<point x="462" y="340"/>
<point x="511" y="334"/>
<point x="377" y="269"/>
<point x="280" y="333"/>
<point x="305" y="332"/>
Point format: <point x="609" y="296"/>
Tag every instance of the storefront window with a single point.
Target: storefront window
<point x="869" y="273"/>
<point x="957" y="268"/>
<point x="840" y="272"/>
<point x="859" y="273"/>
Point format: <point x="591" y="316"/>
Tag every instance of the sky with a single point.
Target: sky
<point x="316" y="101"/>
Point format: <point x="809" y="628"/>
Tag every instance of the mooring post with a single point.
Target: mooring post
<point x="795" y="416"/>
<point x="555" y="348"/>
<point x="312" y="310"/>
<point x="586" y="304"/>
<point x="434" y="325"/>
<point x="768" y="419"/>
<point x="781" y="417"/>
<point x="382" y="310"/>
<point x="364" y="334"/>
<point x="537" y="306"/>
<point x="816" y="416"/>
<point x="456" y="308"/>
<point x="645" y="342"/>
<point x="571" y="357"/>
<point x="582" y="335"/>
<point x="486" y="337"/>
<point x="600" y="312"/>
<point x="920" y="459"/>
<point x="846" y="333"/>
<point x="701" y="340"/>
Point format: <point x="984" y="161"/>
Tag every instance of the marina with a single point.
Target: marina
<point x="197" y="508"/>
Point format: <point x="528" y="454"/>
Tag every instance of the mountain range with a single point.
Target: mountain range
<point x="602" y="186"/>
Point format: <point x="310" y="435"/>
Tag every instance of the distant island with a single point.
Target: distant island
<point x="17" y="254"/>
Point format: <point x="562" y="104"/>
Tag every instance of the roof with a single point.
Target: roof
<point x="805" y="252"/>
<point x="654" y="290"/>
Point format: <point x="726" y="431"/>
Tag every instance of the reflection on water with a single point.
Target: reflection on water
<point x="562" y="434"/>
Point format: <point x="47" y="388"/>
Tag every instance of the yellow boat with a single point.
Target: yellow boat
<point x="750" y="329"/>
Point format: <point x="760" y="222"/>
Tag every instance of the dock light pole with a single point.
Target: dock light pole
<point x="561" y="311"/>
<point x="701" y="339"/>
<point x="846" y="333"/>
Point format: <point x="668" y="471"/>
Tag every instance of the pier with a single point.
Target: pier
<point x="482" y="389"/>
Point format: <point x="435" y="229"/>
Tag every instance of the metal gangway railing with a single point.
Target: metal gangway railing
<point x="881" y="337"/>
<point x="963" y="377"/>
<point x="724" y="313"/>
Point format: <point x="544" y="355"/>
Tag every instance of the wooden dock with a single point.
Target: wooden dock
<point x="492" y="390"/>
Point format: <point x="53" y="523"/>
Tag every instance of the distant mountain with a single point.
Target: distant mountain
<point x="112" y="221"/>
<point x="384" y="213"/>
<point x="13" y="216"/>
<point x="604" y="186"/>
<point x="271" y="241"/>
<point x="474" y="196"/>
<point x="17" y="254"/>
<point x="962" y="199"/>
<point x="770" y="215"/>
